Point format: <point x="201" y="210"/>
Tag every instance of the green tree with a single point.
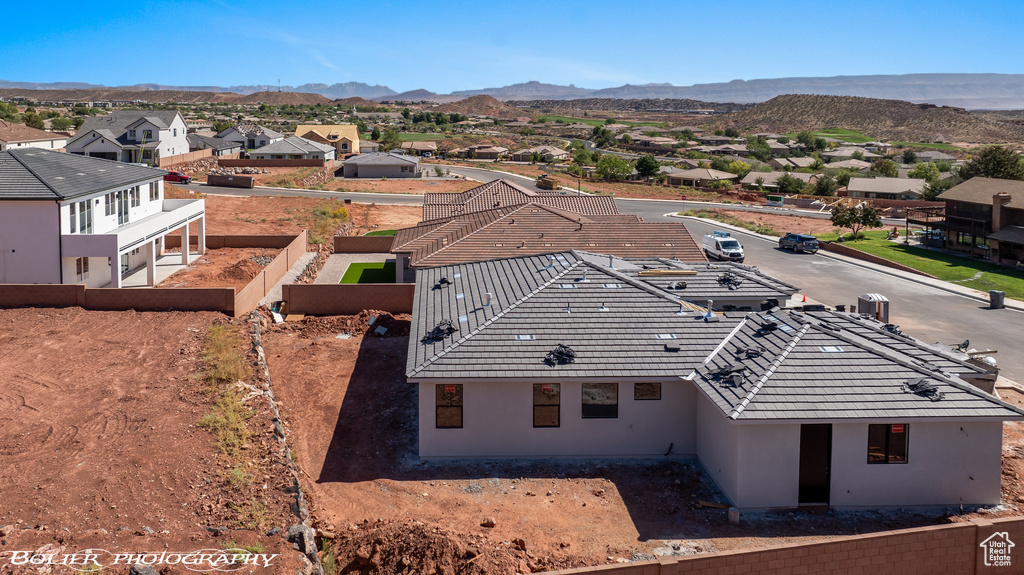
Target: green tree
<point x="609" y="121"/>
<point x="932" y="191"/>
<point x="602" y="136"/>
<point x="909" y="157"/>
<point x="858" y="155"/>
<point x="820" y="143"/>
<point x="33" y="120"/>
<point x="719" y="163"/>
<point x="887" y="168"/>
<point x="858" y="218"/>
<point x="994" y="162"/>
<point x="719" y="132"/>
<point x="406" y="113"/>
<point x="8" y="112"/>
<point x="221" y="125"/>
<point x="361" y="126"/>
<point x="390" y="139"/>
<point x="789" y="185"/>
<point x="926" y="171"/>
<point x="647" y="166"/>
<point x="826" y="185"/>
<point x="758" y="148"/>
<point x="612" y="167"/>
<point x="783" y="140"/>
<point x="732" y="133"/>
<point x="583" y="157"/>
<point x="739" y="168"/>
<point x="375" y="134"/>
<point x="62" y="123"/>
<point x="627" y="139"/>
<point x="806" y="138"/>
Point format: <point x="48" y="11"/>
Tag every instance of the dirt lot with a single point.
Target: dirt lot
<point x="384" y="508"/>
<point x="292" y="214"/>
<point x="223" y="267"/>
<point x="400" y="186"/>
<point x="783" y="223"/>
<point x="99" y="413"/>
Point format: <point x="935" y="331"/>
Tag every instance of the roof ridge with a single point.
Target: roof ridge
<point x="912" y="340"/>
<point x="635" y="282"/>
<point x="738" y="409"/>
<point x="515" y="210"/>
<point x="59" y="195"/>
<point x="498" y="315"/>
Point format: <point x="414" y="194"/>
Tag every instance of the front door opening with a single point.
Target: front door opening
<point x="815" y="464"/>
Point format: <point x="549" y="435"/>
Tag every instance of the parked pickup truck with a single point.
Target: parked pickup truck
<point x="722" y="246"/>
<point x="177" y="177"/>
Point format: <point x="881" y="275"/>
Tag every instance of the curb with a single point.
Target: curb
<point x="1010" y="304"/>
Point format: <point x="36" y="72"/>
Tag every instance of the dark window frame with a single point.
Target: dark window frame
<point x="557" y="392"/>
<point x="598" y="410"/>
<point x="451" y="400"/>
<point x="891" y="446"/>
<point x="637" y="387"/>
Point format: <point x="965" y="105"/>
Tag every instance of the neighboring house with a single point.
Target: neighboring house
<point x="343" y="137"/>
<point x="381" y="165"/>
<point x="546" y="153"/>
<point x="219" y="146"/>
<point x="485" y="152"/>
<point x="13" y="136"/>
<point x="420" y="148"/>
<point x="132" y="136"/>
<point x="70" y="219"/>
<point x="847" y="152"/>
<point x="985" y="217"/>
<point x="657" y="142"/>
<point x="699" y="177"/>
<point x="739" y="150"/>
<point x="250" y="136"/>
<point x="770" y="179"/>
<point x="805" y="162"/>
<point x="368" y="146"/>
<point x="851" y="164"/>
<point x="886" y="188"/>
<point x="933" y="156"/>
<point x="575" y="355"/>
<point x="294" y="148"/>
<point x="503" y="193"/>
<point x="535" y="228"/>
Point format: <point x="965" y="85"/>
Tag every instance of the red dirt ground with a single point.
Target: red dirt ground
<point x="368" y="490"/>
<point x="223" y="267"/>
<point x="99" y="413"/>
<point x="782" y="223"/>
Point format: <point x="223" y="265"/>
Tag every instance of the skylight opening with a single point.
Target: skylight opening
<point x="613" y="286"/>
<point x="525" y="337"/>
<point x="831" y="349"/>
<point x="665" y="336"/>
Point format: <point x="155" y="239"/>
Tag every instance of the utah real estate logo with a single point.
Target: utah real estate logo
<point x="997" y="549"/>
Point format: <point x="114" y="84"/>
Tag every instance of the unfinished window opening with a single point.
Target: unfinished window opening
<point x="546" y="404"/>
<point x="449" y="405"/>
<point x="887" y="442"/>
<point x="647" y="391"/>
<point x="600" y="400"/>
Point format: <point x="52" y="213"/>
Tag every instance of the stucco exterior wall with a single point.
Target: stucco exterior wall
<point x="498" y="422"/>
<point x="378" y="171"/>
<point x="29" y="242"/>
<point x="99" y="272"/>
<point x="45" y="144"/>
<point x="947" y="463"/>
<point x="718" y="446"/>
<point x="769" y="465"/>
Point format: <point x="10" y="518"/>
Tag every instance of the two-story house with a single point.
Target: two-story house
<point x="344" y="137"/>
<point x="68" y="219"/>
<point x="132" y="136"/>
<point x="22" y="136"/>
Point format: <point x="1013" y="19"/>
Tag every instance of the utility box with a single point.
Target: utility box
<point x="874" y="304"/>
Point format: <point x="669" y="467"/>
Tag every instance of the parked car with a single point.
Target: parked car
<point x="799" y="243"/>
<point x="177" y="177"/>
<point x="722" y="246"/>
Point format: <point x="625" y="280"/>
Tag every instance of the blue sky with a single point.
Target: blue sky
<point x="453" y="45"/>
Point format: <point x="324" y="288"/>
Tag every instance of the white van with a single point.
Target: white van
<point x="722" y="246"/>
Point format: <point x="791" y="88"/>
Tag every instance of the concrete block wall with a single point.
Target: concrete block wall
<point x="363" y="244"/>
<point x="953" y="549"/>
<point x="273" y="163"/>
<point x="347" y="299"/>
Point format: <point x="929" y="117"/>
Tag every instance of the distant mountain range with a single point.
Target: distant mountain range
<point x="972" y="91"/>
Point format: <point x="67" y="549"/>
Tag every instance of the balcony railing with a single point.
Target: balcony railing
<point x="173" y="215"/>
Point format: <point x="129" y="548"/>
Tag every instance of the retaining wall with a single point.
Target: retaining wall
<point x="248" y="298"/>
<point x="348" y="299"/>
<point x="234" y="241"/>
<point x="273" y="163"/>
<point x="854" y="253"/>
<point x="187" y="157"/>
<point x="363" y="244"/>
<point x="939" y="550"/>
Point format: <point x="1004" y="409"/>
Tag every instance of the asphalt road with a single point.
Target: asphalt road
<point x="926" y="312"/>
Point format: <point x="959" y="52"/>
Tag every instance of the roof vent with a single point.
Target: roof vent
<point x="673" y="347"/>
<point x="561" y="355"/>
<point x="487" y="299"/>
<point x="551" y="261"/>
<point x="611" y="262"/>
<point x="584" y="278"/>
<point x="924" y="387"/>
<point x="603" y="307"/>
<point x="613" y="286"/>
<point x="443" y="329"/>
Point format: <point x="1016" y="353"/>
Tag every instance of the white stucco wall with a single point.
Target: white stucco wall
<point x="29" y="242"/>
<point x="99" y="272"/>
<point x="769" y="471"/>
<point x="947" y="462"/>
<point x="718" y="446"/>
<point x="102" y="223"/>
<point x="498" y="422"/>
<point x="45" y="144"/>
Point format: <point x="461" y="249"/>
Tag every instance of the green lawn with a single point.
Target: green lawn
<point x="926" y="145"/>
<point x="840" y="133"/>
<point x="370" y="273"/>
<point x="413" y="137"/>
<point x="598" y="121"/>
<point x="963" y="271"/>
<point x="381" y="233"/>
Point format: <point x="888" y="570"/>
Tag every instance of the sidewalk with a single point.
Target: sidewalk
<point x="981" y="296"/>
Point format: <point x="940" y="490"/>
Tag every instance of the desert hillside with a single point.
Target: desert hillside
<point x="484" y="105"/>
<point x="157" y="96"/>
<point x="891" y="120"/>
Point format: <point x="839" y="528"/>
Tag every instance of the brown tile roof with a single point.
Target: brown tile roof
<point x="21" y="133"/>
<point x="533" y="229"/>
<point x="500" y="193"/>
<point x="980" y="190"/>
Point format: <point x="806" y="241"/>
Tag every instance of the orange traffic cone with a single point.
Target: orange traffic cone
<point x="805" y="299"/>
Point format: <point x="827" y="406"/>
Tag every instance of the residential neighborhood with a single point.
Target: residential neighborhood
<point x="504" y="301"/>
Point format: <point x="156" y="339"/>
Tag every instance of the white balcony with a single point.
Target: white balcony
<point x="173" y="215"/>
